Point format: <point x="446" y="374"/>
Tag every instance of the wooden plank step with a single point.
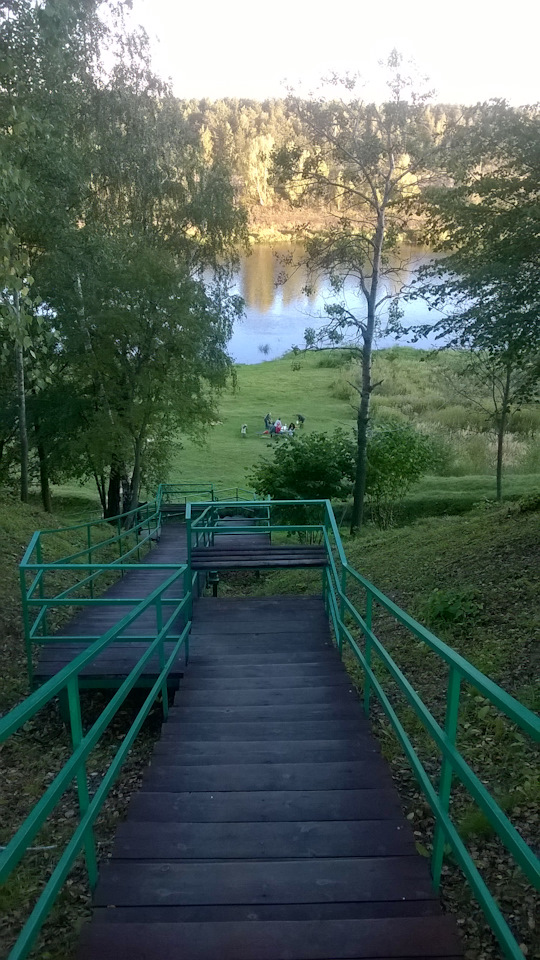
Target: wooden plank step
<point x="260" y="630"/>
<point x="256" y="806"/>
<point x="271" y="751"/>
<point x="321" y="656"/>
<point x="247" y="638"/>
<point x="269" y="911"/>
<point x="273" y="673"/>
<point x="335" y="678"/>
<point x="407" y="938"/>
<point x="249" y="881"/>
<point x="265" y="697"/>
<point x="343" y="728"/>
<point x="241" y="777"/>
<point x="262" y="841"/>
<point x="238" y="551"/>
<point x="282" y="643"/>
<point x="261" y="563"/>
<point x="280" y="712"/>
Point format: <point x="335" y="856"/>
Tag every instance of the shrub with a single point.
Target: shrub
<point x="451" y="607"/>
<point x="336" y="358"/>
<point x="342" y="390"/>
<point x="312" y="467"/>
<point x="397" y="457"/>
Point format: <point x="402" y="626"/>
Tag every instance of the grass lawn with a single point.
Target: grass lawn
<point x="318" y="385"/>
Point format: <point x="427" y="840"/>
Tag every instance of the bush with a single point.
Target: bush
<point x="322" y="467"/>
<point x="397" y="457"/>
<point x="336" y="358"/>
<point x="312" y="467"/>
<point x="451" y="607"/>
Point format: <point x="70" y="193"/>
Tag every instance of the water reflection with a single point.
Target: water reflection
<point x="278" y="313"/>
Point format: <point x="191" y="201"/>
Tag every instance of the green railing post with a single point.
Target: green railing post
<point x="342" y="596"/>
<point x="188" y="536"/>
<point x="161" y="654"/>
<point x="137" y="527"/>
<point x="188" y="592"/>
<point x="26" y="626"/>
<point x="445" y="785"/>
<point x="75" y="720"/>
<point x="119" y="526"/>
<point x="368" y="621"/>
<point x="89" y="543"/>
<point x="39" y="559"/>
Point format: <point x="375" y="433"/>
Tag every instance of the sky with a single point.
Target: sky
<point x="471" y="50"/>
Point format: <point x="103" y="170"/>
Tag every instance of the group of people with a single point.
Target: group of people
<point x="279" y="428"/>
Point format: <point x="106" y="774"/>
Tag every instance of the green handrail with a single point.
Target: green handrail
<point x="345" y="617"/>
<point x="352" y="629"/>
<point x="144" y="532"/>
<point x="67" y="681"/>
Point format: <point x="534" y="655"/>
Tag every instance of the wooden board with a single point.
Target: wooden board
<point x="385" y="939"/>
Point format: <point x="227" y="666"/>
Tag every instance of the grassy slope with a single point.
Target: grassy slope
<point x="322" y="394"/>
<point x="487" y="564"/>
<point x="261" y="388"/>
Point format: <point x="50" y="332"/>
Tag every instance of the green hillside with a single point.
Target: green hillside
<point x="415" y="386"/>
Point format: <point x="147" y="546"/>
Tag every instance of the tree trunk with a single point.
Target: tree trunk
<point x="100" y="484"/>
<point x="361" y="450"/>
<point x="501" y="432"/>
<point x="114" y="506"/>
<point x="43" y="472"/>
<point x="136" y="477"/>
<point x="365" y="393"/>
<point x="21" y="395"/>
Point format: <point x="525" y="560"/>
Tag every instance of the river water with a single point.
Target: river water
<point x="277" y="313"/>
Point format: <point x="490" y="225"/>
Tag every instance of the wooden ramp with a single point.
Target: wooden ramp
<point x="116" y="662"/>
<point x="267" y="826"/>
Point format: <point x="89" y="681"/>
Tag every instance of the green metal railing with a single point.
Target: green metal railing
<point x="201" y="492"/>
<point x="128" y="535"/>
<point x="355" y="630"/>
<point x="67" y="683"/>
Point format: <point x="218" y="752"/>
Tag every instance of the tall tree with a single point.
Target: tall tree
<point x="50" y="47"/>
<point x="486" y="219"/>
<point x="373" y="160"/>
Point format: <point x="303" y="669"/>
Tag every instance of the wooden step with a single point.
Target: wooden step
<point x="276" y="806"/>
<point x="265" y="696"/>
<point x="302" y="713"/>
<point x="242" y="777"/>
<point x="265" y="751"/>
<point x="262" y="841"/>
<point x="254" y="881"/>
<point x="333" y="729"/>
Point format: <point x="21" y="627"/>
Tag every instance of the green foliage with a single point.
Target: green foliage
<point x="529" y="504"/>
<point x="312" y="467"/>
<point x="321" y="466"/>
<point x="114" y="213"/>
<point x="397" y="457"/>
<point x="454" y="606"/>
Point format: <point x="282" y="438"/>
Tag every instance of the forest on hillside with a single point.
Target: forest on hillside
<point x="121" y="200"/>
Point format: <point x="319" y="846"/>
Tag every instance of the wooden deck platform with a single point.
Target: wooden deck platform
<point x="116" y="662"/>
<point x="238" y="551"/>
<point x="267" y="826"/>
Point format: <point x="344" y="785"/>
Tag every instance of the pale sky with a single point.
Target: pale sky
<point x="470" y="49"/>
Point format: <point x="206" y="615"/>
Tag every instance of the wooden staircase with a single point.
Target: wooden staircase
<point x="267" y="826"/>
